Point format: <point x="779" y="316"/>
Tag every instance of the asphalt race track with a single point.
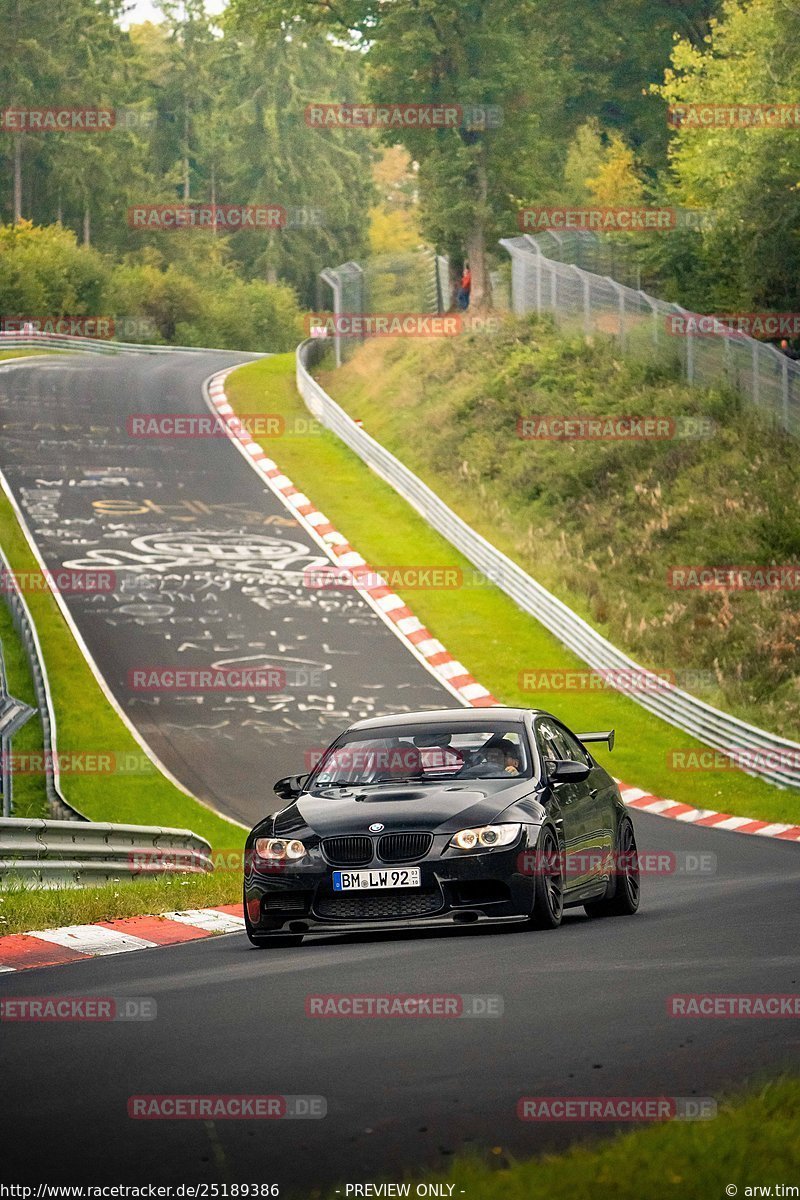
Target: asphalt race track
<point x="207" y="568"/>
<point x="584" y="1007"/>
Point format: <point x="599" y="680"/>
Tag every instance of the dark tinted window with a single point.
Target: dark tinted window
<point x="575" y="749"/>
<point x="549" y="739"/>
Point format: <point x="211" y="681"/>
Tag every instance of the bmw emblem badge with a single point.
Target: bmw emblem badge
<point x="376" y="828"/>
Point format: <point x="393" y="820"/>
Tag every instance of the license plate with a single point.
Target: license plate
<point x="359" y="881"/>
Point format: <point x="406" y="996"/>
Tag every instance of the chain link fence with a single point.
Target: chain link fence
<point x="584" y="302"/>
<point x="600" y="255"/>
<point x="414" y="282"/>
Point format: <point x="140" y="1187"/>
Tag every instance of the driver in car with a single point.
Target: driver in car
<point x="503" y="755"/>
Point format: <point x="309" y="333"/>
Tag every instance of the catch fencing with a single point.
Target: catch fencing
<point x="581" y="301"/>
<point x="414" y="282"/>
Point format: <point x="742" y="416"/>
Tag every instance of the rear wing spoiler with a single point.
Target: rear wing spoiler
<point x="608" y="736"/>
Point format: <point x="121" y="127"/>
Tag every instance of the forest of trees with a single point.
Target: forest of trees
<point x="211" y="110"/>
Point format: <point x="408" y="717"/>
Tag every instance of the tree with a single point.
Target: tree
<point x="477" y="54"/>
<point x="749" y="255"/>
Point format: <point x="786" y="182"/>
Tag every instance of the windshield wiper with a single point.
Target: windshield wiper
<point x="374" y="783"/>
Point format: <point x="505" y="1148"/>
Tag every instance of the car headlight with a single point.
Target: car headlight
<point x="486" y="837"/>
<point x="279" y="849"/>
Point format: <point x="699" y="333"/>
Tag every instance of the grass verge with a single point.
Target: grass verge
<point x="6" y="354"/>
<point x="23" y="909"/>
<point x="752" y="1143"/>
<point x="481" y="626"/>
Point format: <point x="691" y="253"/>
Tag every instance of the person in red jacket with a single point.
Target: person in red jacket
<point x="464" y="289"/>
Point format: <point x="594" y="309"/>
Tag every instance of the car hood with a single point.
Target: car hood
<point x="444" y="808"/>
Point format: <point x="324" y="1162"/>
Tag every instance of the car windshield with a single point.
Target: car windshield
<point x="425" y="753"/>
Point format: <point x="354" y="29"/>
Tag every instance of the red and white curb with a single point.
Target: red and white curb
<point x="391" y="607"/>
<point x="705" y="817"/>
<point x="421" y="641"/>
<point x="77" y="943"/>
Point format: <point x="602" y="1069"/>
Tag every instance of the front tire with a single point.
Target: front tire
<point x="548" y="888"/>
<point x="624" y="900"/>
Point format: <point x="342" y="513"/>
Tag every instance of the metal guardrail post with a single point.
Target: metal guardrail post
<point x="755" y="368"/>
<point x="335" y="281"/>
<point x="620" y="294"/>
<point x="587" y="300"/>
<point x="653" y="304"/>
<point x="335" y="284"/>
<point x="442" y="269"/>
<point x="688" y="354"/>
<point x="531" y="241"/>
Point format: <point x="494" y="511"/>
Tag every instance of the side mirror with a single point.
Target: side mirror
<point x="290" y="787"/>
<point x="567" y="771"/>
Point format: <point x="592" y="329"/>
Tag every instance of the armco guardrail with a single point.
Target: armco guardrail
<point x="41" y="853"/>
<point x="23" y="623"/>
<point x="52" y="341"/>
<point x="768" y="756"/>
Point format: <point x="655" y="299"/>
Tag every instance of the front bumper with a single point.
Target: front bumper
<point x="454" y="889"/>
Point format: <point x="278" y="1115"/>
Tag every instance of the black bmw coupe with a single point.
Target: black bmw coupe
<point x="450" y="817"/>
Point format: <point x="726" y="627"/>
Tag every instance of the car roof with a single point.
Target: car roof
<point x="442" y="716"/>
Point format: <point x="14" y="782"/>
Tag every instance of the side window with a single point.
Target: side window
<point x="575" y="750"/>
<point x="552" y="746"/>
